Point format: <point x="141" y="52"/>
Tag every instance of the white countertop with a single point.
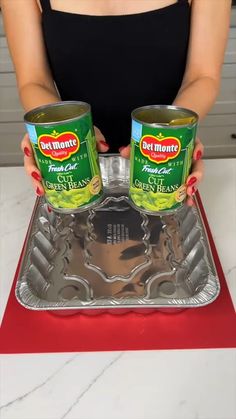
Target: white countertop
<point x="186" y="384"/>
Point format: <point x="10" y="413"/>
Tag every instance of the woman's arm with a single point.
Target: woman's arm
<point x="209" y="31"/>
<point x="208" y="36"/>
<point x="22" y="22"/>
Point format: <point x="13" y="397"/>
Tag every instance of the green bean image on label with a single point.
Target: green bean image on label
<point x="162" y="143"/>
<point x="63" y="140"/>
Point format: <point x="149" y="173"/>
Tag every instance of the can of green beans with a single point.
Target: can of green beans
<point x="162" y="143"/>
<point x="64" y="145"/>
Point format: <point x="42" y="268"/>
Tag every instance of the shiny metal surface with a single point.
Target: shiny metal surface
<point x="164" y="115"/>
<point x="57" y="113"/>
<point x="114" y="257"/>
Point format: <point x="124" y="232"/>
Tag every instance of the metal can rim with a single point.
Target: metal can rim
<point x="50" y="105"/>
<point x="162" y="125"/>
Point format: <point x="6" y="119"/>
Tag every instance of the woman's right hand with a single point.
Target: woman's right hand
<point x="32" y="169"/>
<point x="30" y="166"/>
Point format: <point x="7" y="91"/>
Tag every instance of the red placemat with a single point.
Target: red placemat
<point x="213" y="326"/>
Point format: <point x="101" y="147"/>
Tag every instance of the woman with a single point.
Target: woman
<point x="117" y="56"/>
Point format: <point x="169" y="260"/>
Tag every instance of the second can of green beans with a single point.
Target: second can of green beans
<point x="162" y="143"/>
<point x="64" y="145"/>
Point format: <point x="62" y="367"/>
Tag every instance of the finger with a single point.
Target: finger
<point x="196" y="175"/>
<point x="101" y="141"/>
<point x="29" y="160"/>
<point x="35" y="177"/>
<point x="32" y="170"/>
<point x="125" y="151"/>
<point x="26" y="146"/>
<point x="190" y="202"/>
<point x="193" y="181"/>
<point x="38" y="188"/>
<point x="198" y="150"/>
<point x="191" y="190"/>
<point x="30" y="165"/>
<point x="102" y="146"/>
<point x="25" y="143"/>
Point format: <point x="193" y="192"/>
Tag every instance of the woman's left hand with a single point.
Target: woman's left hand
<point x="197" y="172"/>
<point x="197" y="169"/>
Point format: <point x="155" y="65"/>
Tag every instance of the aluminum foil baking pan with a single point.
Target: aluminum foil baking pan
<point x="115" y="258"/>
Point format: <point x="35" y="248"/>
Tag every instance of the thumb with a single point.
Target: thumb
<point x="125" y="151"/>
<point x="101" y="141"/>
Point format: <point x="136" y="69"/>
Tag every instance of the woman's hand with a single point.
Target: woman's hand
<point x="102" y="145"/>
<point x="197" y="169"/>
<point x="30" y="166"/>
<point x="32" y="169"/>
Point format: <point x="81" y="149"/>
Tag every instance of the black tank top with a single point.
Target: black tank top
<point x="117" y="63"/>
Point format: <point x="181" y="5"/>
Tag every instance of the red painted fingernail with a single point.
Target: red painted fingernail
<point x="104" y="144"/>
<point x="199" y="155"/>
<point x="39" y="192"/>
<point x="36" y="176"/>
<point x="193" y="190"/>
<point x="191" y="181"/>
<point x="121" y="148"/>
<point x="27" y="151"/>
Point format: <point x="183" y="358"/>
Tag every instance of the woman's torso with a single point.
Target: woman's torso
<point x="128" y="58"/>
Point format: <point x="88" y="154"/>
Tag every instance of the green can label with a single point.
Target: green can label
<point x="161" y="159"/>
<point x="68" y="161"/>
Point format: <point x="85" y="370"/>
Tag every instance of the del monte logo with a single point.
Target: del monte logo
<point x="59" y="146"/>
<point x="159" y="149"/>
